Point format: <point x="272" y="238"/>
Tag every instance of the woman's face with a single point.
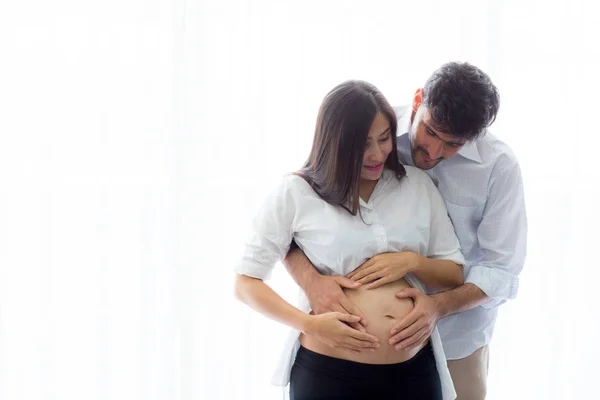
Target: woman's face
<point x="378" y="148"/>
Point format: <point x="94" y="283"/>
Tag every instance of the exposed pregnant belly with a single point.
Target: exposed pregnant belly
<point x="383" y="311"/>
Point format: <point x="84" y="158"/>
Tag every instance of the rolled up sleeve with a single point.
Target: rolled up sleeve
<point x="270" y="234"/>
<point x="502" y="236"/>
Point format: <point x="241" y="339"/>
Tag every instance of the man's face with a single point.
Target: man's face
<point x="430" y="145"/>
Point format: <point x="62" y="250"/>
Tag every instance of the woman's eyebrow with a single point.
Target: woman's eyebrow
<point x="386" y="131"/>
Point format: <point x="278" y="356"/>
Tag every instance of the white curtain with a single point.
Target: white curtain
<point x="87" y="201"/>
<point x="137" y="139"/>
<point x="265" y="66"/>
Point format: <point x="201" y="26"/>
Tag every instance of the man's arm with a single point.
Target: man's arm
<point x="461" y="299"/>
<point x="300" y="267"/>
<point x="502" y="236"/>
<point x="324" y="293"/>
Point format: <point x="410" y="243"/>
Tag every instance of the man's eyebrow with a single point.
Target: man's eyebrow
<point x="431" y="130"/>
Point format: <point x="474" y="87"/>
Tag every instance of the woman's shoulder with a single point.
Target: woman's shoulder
<point x="415" y="173"/>
<point x="416" y="182"/>
<point x="413" y="177"/>
<point x="293" y="183"/>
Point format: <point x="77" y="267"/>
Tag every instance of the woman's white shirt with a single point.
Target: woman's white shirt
<point x="406" y="214"/>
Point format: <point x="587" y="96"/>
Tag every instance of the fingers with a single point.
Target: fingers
<point x="416" y="340"/>
<point x="362" y="336"/>
<point x="405" y="322"/>
<point x="379" y="282"/>
<point x="406" y="333"/>
<point x="408" y="292"/>
<point x="346" y="283"/>
<point x="361" y="268"/>
<point x="359" y="344"/>
<point x="347" y="317"/>
<point x="370" y="277"/>
<point x="363" y="272"/>
<point x="358" y="326"/>
<point x="337" y="307"/>
<point x="352" y="309"/>
<point x="410" y="330"/>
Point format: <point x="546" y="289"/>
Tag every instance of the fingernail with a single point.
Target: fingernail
<point x="394" y="331"/>
<point x="372" y="350"/>
<point x="398" y="347"/>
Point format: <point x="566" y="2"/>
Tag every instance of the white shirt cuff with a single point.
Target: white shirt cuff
<point x="495" y="283"/>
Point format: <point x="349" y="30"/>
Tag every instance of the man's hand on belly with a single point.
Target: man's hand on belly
<point x="325" y="294"/>
<point x="414" y="329"/>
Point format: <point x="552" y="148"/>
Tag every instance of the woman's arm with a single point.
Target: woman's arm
<point x="436" y="275"/>
<point x="329" y="328"/>
<point x="269" y="241"/>
<point x="259" y="296"/>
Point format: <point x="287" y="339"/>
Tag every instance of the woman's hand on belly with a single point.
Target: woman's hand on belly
<point x="385" y="268"/>
<point x="331" y="328"/>
<point x="384" y="311"/>
<point x="326" y="294"/>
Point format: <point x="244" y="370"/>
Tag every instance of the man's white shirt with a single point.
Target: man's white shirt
<point x="483" y="191"/>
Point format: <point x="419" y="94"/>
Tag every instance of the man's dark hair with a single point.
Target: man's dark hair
<point x="462" y="100"/>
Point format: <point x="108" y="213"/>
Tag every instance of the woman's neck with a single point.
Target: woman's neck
<point x="366" y="189"/>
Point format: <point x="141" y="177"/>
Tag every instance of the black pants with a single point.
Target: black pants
<point x="316" y="376"/>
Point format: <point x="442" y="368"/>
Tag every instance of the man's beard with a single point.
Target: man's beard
<point x="427" y="165"/>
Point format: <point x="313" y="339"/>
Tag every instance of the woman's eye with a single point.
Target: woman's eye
<point x="384" y="139"/>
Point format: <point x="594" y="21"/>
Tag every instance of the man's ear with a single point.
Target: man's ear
<point x="417" y="100"/>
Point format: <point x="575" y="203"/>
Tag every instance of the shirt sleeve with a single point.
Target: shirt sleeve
<point x="443" y="242"/>
<point x="502" y="236"/>
<point x="270" y="234"/>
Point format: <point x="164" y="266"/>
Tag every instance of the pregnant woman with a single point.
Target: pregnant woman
<point x="350" y="202"/>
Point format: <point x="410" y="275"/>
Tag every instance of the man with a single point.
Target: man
<point x="444" y="132"/>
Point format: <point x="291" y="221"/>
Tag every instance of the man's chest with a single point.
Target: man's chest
<point x="465" y="192"/>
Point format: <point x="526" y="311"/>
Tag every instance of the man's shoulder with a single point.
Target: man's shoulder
<point x="494" y="151"/>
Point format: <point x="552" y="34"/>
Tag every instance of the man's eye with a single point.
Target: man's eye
<point x="430" y="133"/>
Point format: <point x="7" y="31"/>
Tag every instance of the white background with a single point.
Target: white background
<point x="137" y="138"/>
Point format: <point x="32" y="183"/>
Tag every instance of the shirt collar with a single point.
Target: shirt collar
<point x="468" y="151"/>
<point x="386" y="176"/>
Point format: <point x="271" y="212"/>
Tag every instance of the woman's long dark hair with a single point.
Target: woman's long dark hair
<point x="335" y="161"/>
